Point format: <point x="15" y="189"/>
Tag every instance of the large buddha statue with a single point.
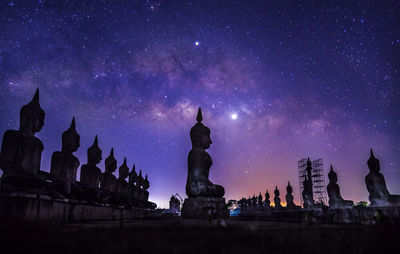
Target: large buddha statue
<point x="307" y="194"/>
<point x="90" y="173"/>
<point x="122" y="184"/>
<point x="64" y="164"/>
<point x="199" y="163"/>
<point x="376" y="185"/>
<point x="289" y="197"/>
<point x="108" y="181"/>
<point x="205" y="197"/>
<point x="335" y="199"/>
<point x="277" y="199"/>
<point x="21" y="151"/>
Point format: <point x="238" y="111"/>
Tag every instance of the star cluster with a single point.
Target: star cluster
<point x="277" y="81"/>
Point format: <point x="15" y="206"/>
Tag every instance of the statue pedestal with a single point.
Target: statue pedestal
<point x="204" y="207"/>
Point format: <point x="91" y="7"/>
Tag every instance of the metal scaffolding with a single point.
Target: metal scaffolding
<point x="318" y="179"/>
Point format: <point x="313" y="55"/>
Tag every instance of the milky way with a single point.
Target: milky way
<point x="277" y="81"/>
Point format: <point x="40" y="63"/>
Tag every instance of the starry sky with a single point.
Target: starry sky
<point x="277" y="81"/>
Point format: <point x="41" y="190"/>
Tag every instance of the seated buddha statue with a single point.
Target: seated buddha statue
<point x="277" y="199"/>
<point x="108" y="180"/>
<point x="376" y="185"/>
<point x="199" y="163"/>
<point x="335" y="199"/>
<point x="64" y="164"/>
<point x="267" y="201"/>
<point x="146" y="186"/>
<point x="132" y="189"/>
<point x="21" y="151"/>
<point x="139" y="186"/>
<point x="90" y="173"/>
<point x="122" y="184"/>
<point x="307" y="194"/>
<point x="289" y="197"/>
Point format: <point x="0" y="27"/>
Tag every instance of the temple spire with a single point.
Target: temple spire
<point x="96" y="142"/>
<point x="124" y="161"/>
<point x="199" y="117"/>
<point x="372" y="153"/>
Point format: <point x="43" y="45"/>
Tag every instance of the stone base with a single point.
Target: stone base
<point x="204" y="207"/>
<point x="33" y="208"/>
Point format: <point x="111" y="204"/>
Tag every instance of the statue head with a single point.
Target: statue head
<point x="110" y="163"/>
<point x="70" y="138"/>
<point x="123" y="170"/>
<point x="276" y="191"/>
<point x="267" y="195"/>
<point x="32" y="116"/>
<point x="373" y="163"/>
<point x="146" y="183"/>
<point x="289" y="188"/>
<point x="94" y="153"/>
<point x="133" y="176"/>
<point x="200" y="134"/>
<point x="332" y="175"/>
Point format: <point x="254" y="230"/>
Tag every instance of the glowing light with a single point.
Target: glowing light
<point x="234" y="116"/>
<point x="197" y="43"/>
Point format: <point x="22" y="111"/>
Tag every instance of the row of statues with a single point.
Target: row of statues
<point x="379" y="195"/>
<point x="20" y="160"/>
<point x="258" y="203"/>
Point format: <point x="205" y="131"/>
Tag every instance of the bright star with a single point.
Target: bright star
<point x="234" y="116"/>
<point x="197" y="43"/>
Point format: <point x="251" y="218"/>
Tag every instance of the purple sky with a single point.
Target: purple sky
<point x="311" y="79"/>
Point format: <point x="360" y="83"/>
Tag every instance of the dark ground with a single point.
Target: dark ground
<point x="178" y="236"/>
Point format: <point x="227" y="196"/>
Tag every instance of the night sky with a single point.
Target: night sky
<point x="277" y="81"/>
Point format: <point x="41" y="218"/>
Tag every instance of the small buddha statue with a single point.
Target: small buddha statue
<point x="289" y="197"/>
<point x="307" y="194"/>
<point x="64" y="164"/>
<point x="259" y="202"/>
<point x="277" y="199"/>
<point x="376" y="185"/>
<point x="122" y="184"/>
<point x="21" y="151"/>
<point x="199" y="163"/>
<point x="132" y="189"/>
<point x="254" y="201"/>
<point x="107" y="180"/>
<point x="90" y="173"/>
<point x="139" y="186"/>
<point x="146" y="186"/>
<point x="335" y="199"/>
<point x="267" y="202"/>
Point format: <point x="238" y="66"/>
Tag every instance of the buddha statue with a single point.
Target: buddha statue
<point x="107" y="180"/>
<point x="21" y="151"/>
<point x="64" y="164"/>
<point x="90" y="173"/>
<point x="199" y="163"/>
<point x="132" y="189"/>
<point x="307" y="194"/>
<point x="122" y="184"/>
<point x="259" y="202"/>
<point x="376" y="185"/>
<point x="289" y="197"/>
<point x="335" y="199"/>
<point x="146" y="186"/>
<point x="267" y="202"/>
<point x="277" y="199"/>
<point x="205" y="199"/>
<point x="254" y="201"/>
